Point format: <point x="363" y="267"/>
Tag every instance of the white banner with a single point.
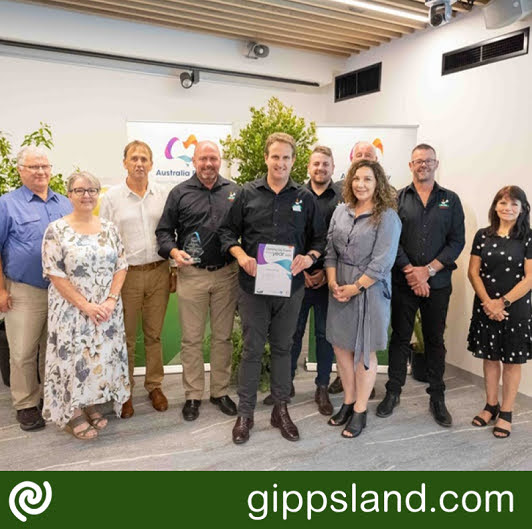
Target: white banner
<point x="393" y="145"/>
<point x="173" y="145"/>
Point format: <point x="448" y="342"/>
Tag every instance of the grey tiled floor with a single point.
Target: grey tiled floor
<point x="408" y="440"/>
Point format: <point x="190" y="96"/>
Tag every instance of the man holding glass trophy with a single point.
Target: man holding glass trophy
<point x="275" y="231"/>
<point x="207" y="278"/>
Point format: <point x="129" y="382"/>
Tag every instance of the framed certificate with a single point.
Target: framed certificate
<point x="274" y="277"/>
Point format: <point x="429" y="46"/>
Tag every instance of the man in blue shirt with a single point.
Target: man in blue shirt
<point x="24" y="216"/>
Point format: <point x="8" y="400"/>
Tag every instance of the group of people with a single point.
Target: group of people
<point x="72" y="286"/>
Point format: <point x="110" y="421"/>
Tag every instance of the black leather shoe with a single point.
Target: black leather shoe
<point x="191" y="410"/>
<point x="281" y="419"/>
<point x="390" y="401"/>
<point x="321" y="397"/>
<point x="241" y="430"/>
<point x="440" y="413"/>
<point x="225" y="404"/>
<point x="342" y="416"/>
<point x="30" y="419"/>
<point x="268" y="401"/>
<point x="355" y="425"/>
<point x="336" y="386"/>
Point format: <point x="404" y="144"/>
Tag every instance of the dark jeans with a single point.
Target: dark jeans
<point x="433" y="315"/>
<point x="319" y="299"/>
<point x="272" y="319"/>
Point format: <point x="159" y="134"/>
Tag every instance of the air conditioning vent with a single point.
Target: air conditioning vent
<point x="358" y="83"/>
<point x="493" y="50"/>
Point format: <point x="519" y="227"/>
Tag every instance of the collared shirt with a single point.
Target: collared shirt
<point x="136" y="218"/>
<point x="259" y="215"/>
<point x="193" y="208"/>
<point x="327" y="203"/>
<point x="434" y="231"/>
<point x="24" y="217"/>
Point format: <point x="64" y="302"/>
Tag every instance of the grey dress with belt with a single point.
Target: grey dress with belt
<point x="357" y="246"/>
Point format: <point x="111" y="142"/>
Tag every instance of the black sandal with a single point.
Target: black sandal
<point x="355" y="425"/>
<point x="505" y="416"/>
<point x="343" y="415"/>
<point x="494" y="410"/>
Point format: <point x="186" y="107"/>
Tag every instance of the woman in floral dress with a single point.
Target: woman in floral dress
<point x="86" y="358"/>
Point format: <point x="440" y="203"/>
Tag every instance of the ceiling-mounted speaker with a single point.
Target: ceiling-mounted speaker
<point x="501" y="13"/>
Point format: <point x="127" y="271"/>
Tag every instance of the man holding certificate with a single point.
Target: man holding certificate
<point x="275" y="231"/>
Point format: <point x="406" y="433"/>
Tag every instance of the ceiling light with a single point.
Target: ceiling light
<point x="383" y="9"/>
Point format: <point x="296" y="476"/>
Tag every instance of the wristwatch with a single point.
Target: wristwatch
<point x="113" y="296"/>
<point x="432" y="271"/>
<point x="506" y="302"/>
<point x="313" y="257"/>
<point x="360" y="287"/>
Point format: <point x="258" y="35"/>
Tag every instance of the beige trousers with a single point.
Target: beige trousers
<point x="146" y="292"/>
<point x="200" y="292"/>
<point x="26" y="330"/>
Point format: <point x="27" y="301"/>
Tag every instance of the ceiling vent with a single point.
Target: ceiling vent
<point x="492" y="50"/>
<point x="358" y="83"/>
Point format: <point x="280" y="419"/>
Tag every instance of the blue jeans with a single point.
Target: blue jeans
<point x="319" y="299"/>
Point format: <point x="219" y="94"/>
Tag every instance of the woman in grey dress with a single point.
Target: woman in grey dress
<point x="361" y="249"/>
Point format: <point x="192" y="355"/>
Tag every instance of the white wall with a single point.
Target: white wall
<point x="88" y="107"/>
<point x="479" y="121"/>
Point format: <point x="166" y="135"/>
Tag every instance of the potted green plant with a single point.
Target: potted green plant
<point x="10" y="180"/>
<point x="247" y="151"/>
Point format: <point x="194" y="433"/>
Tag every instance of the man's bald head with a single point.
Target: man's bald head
<point x="207" y="162"/>
<point x="364" y="150"/>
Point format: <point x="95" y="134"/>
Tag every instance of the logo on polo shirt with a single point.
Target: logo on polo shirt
<point x="231" y="196"/>
<point x="298" y="205"/>
<point x="444" y="204"/>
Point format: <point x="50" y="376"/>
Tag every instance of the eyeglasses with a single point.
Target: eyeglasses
<point x="80" y="191"/>
<point x="429" y="163"/>
<point x="45" y="168"/>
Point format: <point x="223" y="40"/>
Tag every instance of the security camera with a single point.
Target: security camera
<point x="257" y="51"/>
<point x="440" y="12"/>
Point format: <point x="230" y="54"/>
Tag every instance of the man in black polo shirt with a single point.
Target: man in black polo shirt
<point x="431" y="240"/>
<point x="328" y="194"/>
<point x="193" y="212"/>
<point x="271" y="210"/>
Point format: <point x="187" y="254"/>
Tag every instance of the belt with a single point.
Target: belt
<point x="145" y="267"/>
<point x="210" y="268"/>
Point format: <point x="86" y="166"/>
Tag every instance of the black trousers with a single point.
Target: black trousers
<point x="433" y="315"/>
<point x="272" y="319"/>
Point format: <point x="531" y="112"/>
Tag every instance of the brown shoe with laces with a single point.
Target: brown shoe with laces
<point x="158" y="400"/>
<point x="281" y="419"/>
<point x="241" y="430"/>
<point x="322" y="400"/>
<point x="127" y="409"/>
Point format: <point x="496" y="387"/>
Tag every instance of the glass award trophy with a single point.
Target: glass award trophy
<point x="193" y="247"/>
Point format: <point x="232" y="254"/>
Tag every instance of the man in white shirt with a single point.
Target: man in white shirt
<point x="135" y="206"/>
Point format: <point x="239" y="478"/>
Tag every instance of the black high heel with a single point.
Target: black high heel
<point x="355" y="425"/>
<point x="494" y="410"/>
<point x="343" y="415"/>
<point x="505" y="416"/>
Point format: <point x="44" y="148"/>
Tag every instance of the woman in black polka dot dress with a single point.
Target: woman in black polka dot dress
<point x="500" y="270"/>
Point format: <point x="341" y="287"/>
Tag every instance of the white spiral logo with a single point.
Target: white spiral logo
<point x="32" y="494"/>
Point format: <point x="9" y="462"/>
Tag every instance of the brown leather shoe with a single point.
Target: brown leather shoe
<point x="322" y="400"/>
<point x="241" y="430"/>
<point x="158" y="400"/>
<point x="127" y="409"/>
<point x="281" y="419"/>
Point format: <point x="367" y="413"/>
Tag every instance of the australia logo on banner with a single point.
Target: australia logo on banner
<point x="174" y="146"/>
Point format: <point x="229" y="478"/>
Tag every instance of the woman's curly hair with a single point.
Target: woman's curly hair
<point x="384" y="197"/>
